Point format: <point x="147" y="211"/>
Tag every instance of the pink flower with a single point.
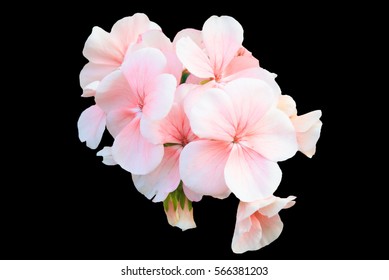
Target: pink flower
<point x="174" y="131"/>
<point x="216" y="55"/>
<point x="243" y="135"/>
<point x="307" y="126"/>
<point x="258" y="223"/>
<point x="105" y="52"/>
<point x="140" y="92"/>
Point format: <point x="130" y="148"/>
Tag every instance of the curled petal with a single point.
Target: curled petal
<point x="106" y="153"/>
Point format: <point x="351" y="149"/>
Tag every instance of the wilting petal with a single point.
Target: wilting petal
<point x="106" y="153"/>
<point x="91" y="125"/>
<point x="141" y="67"/>
<point x="133" y="152"/>
<point x="274" y="136"/>
<point x="101" y="49"/>
<point x="95" y="72"/>
<point x="308" y="128"/>
<point x="275" y="204"/>
<point x="159" y="96"/>
<point x="223" y="36"/>
<point x="248" y="238"/>
<point x="202" y="167"/>
<point x="115" y="93"/>
<point x="287" y="105"/>
<point x="193" y="58"/>
<point x="249" y="175"/>
<point x="212" y="116"/>
<point x="162" y="180"/>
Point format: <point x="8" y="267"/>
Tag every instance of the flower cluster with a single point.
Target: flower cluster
<point x="192" y="117"/>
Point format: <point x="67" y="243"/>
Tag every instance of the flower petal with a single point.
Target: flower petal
<point x="192" y="33"/>
<point x="304" y="122"/>
<point x="274" y="136"/>
<point x="90" y="89"/>
<point x="287" y="105"/>
<point x="133" y="152"/>
<point x="141" y="67"/>
<point x="91" y="125"/>
<point x="271" y="229"/>
<point x="93" y="72"/>
<point x="101" y="48"/>
<point x="119" y="119"/>
<point x="212" y="116"/>
<point x="223" y="36"/>
<point x="249" y="175"/>
<point x="127" y="30"/>
<point x="193" y="58"/>
<point x="247" y="236"/>
<point x="276" y="205"/>
<point x="159" y="96"/>
<point x="106" y="153"/>
<point x="202" y="167"/>
<point x="115" y="93"/>
<point x="192" y="196"/>
<point x="162" y="180"/>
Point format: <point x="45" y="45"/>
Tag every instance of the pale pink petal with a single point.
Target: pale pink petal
<point x="273" y="136"/>
<point x="156" y="39"/>
<point x="304" y="122"/>
<point x="191" y="195"/>
<point x="194" y="34"/>
<point x="127" y="30"/>
<point x="159" y="96"/>
<point x="100" y="48"/>
<point x="212" y="116"/>
<point x="192" y="79"/>
<point x="90" y="89"/>
<point x="308" y="129"/>
<point x="174" y="65"/>
<point x="119" y="119"/>
<point x="141" y="67"/>
<point x="287" y="105"/>
<point x="93" y="72"/>
<point x="240" y="63"/>
<point x="223" y="36"/>
<point x="276" y="205"/>
<point x="106" y="153"/>
<point x="115" y="93"/>
<point x="202" y="167"/>
<point x="162" y="180"/>
<point x="193" y="58"/>
<point x="91" y="125"/>
<point x="251" y="100"/>
<point x="249" y="175"/>
<point x="256" y="73"/>
<point x="271" y="229"/>
<point x="247" y="238"/>
<point x="133" y="152"/>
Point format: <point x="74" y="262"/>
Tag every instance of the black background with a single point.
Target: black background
<point x="60" y="202"/>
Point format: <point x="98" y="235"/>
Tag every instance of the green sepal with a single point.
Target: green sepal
<point x="184" y="76"/>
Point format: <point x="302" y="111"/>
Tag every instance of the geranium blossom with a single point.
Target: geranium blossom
<point x="105" y="52"/>
<point x="258" y="223"/>
<point x="192" y="117"/>
<point x="243" y="136"/>
<point x="139" y="91"/>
